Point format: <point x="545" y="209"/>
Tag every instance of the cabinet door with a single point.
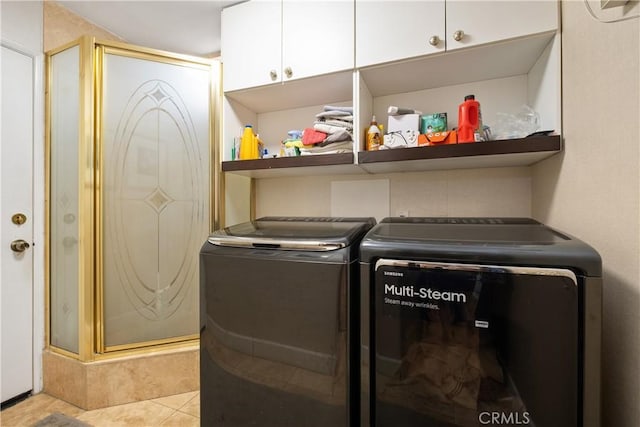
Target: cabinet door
<point x="489" y="21"/>
<point x="251" y="49"/>
<point x="317" y="37"/>
<point x="393" y="30"/>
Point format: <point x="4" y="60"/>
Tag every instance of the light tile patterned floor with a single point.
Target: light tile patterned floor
<point x="181" y="410"/>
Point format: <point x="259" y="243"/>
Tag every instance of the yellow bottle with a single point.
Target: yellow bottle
<point x="248" y="144"/>
<point x="374" y="140"/>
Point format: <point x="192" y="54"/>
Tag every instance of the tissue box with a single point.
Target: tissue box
<point x="433" y="123"/>
<point x="437" y="138"/>
<point x="404" y="139"/>
<point x="403" y="122"/>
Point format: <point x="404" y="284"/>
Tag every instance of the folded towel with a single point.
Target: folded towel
<point x="329" y="129"/>
<point x="335" y="113"/>
<point x="312" y="136"/>
<point x="333" y="122"/>
<point x="340" y="147"/>
<point x="339" y="136"/>
<point x="334" y="108"/>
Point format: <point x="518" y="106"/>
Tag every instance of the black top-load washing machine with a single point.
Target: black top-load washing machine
<point x="279" y="323"/>
<point x="479" y="322"/>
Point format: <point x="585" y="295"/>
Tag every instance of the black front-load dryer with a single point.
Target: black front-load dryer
<point x="479" y="322"/>
<point x="279" y="323"/>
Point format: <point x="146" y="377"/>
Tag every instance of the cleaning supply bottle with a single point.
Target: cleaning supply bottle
<point x="248" y="144"/>
<point x="374" y="139"/>
<point x="469" y="120"/>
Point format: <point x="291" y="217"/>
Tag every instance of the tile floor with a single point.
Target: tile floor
<point x="181" y="410"/>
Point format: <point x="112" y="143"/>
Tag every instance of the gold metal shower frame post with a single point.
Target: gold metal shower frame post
<point x="91" y="310"/>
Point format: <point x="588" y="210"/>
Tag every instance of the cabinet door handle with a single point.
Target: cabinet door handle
<point x="458" y="35"/>
<point x="273" y="74"/>
<point x="288" y="72"/>
<point x="434" y="40"/>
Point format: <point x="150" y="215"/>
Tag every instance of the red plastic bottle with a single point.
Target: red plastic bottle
<point x="469" y="119"/>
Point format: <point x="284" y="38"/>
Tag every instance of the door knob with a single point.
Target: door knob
<point x="19" y="246"/>
<point x="273" y="75"/>
<point x="434" y="40"/>
<point x="458" y="35"/>
<point x="288" y="72"/>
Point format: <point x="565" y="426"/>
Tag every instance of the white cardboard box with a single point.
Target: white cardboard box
<point x="403" y="122"/>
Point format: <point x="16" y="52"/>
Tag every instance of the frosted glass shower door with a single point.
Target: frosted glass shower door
<point x="155" y="199"/>
<point x="64" y="206"/>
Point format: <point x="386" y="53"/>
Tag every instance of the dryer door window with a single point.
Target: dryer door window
<point x="464" y="345"/>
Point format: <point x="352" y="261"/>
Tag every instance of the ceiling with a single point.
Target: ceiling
<point x="187" y="27"/>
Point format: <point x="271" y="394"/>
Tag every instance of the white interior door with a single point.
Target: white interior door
<point x="16" y="232"/>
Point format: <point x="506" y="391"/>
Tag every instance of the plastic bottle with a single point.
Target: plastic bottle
<point x="248" y="144"/>
<point x="373" y="135"/>
<point x="469" y="120"/>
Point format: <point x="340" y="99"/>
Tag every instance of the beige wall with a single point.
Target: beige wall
<point x="470" y="192"/>
<point x="62" y="26"/>
<point x="593" y="189"/>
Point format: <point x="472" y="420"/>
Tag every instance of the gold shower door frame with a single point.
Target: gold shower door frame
<point x="91" y="345"/>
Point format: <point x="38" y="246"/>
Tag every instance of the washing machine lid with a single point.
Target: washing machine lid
<point x="505" y="231"/>
<point x="294" y="233"/>
<point x="487" y="240"/>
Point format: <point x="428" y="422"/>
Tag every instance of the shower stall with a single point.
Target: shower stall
<point x="130" y="182"/>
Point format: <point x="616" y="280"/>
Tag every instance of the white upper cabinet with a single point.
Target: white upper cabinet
<point x="471" y="23"/>
<point x="317" y="37"/>
<point x="251" y="44"/>
<point x="389" y="30"/>
<point x="265" y="42"/>
<point x="396" y="30"/>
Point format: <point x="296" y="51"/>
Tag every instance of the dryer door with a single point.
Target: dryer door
<point x="474" y="345"/>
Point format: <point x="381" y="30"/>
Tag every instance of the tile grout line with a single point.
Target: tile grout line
<point x="197" y="396"/>
<point x="172" y="407"/>
<point x="169" y="416"/>
<point x="163" y="404"/>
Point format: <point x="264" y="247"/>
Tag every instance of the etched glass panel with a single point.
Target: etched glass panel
<point x="155" y="197"/>
<point x="64" y="187"/>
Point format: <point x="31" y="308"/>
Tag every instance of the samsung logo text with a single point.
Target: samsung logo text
<point x="393" y="273"/>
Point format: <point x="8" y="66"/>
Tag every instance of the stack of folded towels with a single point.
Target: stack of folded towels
<point x="332" y="132"/>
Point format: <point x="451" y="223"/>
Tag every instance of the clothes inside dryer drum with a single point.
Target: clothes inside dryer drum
<point x="452" y="345"/>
